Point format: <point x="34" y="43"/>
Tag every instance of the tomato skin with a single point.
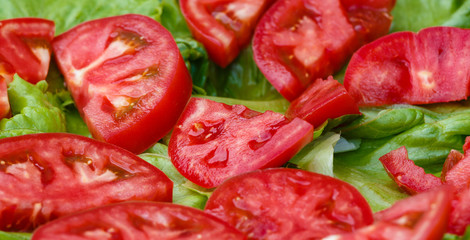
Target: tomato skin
<point x="149" y="79"/>
<point x="49" y="175"/>
<point x="412" y="68"/>
<point x="406" y="174"/>
<point x="138" y="220"/>
<point x="318" y="205"/>
<point x="4" y="103"/>
<point x="25" y="48"/>
<point x="298" y="41"/>
<point x="213" y="141"/>
<point x="322" y="100"/>
<point x="224" y="26"/>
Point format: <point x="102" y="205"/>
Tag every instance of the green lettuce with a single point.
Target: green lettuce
<point x="182" y="194"/>
<point x="32" y="110"/>
<point x="14" y="236"/>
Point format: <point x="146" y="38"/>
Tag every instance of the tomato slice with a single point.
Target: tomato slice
<point x="25" y="48"/>
<point x="49" y="175"/>
<point x="323" y="100"/>
<point x="421" y="217"/>
<point x="223" y="26"/>
<point x="452" y="159"/>
<point x="289" y="204"/>
<point x="460" y="214"/>
<point x="458" y="175"/>
<point x="141" y="100"/>
<point x="405" y="67"/>
<point x="138" y="220"/>
<point x="4" y="103"/>
<point x="298" y="41"/>
<point x="214" y="141"/>
<point x="406" y="174"/>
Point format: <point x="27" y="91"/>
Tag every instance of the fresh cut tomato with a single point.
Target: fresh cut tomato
<point x="430" y="66"/>
<point x="223" y="26"/>
<point x="138" y="220"/>
<point x="25" y="48"/>
<point x="214" y="141"/>
<point x="127" y="78"/>
<point x="49" y="175"/>
<point x="298" y="41"/>
<point x="323" y="100"/>
<point x="289" y="204"/>
<point x="4" y="102"/>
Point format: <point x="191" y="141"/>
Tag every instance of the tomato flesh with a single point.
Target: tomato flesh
<point x="138" y="220"/>
<point x="25" y="48"/>
<point x="4" y="103"/>
<point x="460" y="214"/>
<point x="141" y="101"/>
<point x="318" y="205"/>
<point x="298" y="41"/>
<point x="406" y="174"/>
<point x="428" y="67"/>
<point x="323" y="100"/>
<point x="224" y="27"/>
<point x="214" y="141"/>
<point x="46" y="176"/>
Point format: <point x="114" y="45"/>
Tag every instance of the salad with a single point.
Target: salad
<point x="347" y="148"/>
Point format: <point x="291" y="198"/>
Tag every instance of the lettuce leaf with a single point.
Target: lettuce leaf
<point x="32" y="111"/>
<point x="14" y="236"/>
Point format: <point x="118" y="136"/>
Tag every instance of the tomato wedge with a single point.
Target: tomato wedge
<point x="289" y="204"/>
<point x="406" y="174"/>
<point x="323" y="100"/>
<point x="298" y="41"/>
<point x="460" y="214"/>
<point x="138" y="220"/>
<point x="417" y="68"/>
<point x="49" y="175"/>
<point x="25" y="48"/>
<point x="214" y="141"/>
<point x="421" y="217"/>
<point x="141" y="100"/>
<point x="223" y="26"/>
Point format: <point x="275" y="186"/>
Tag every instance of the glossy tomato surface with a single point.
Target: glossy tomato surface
<point x="417" y="68"/>
<point x="49" y="175"/>
<point x="127" y="78"/>
<point x="298" y="41"/>
<point x="139" y="221"/>
<point x="25" y="48"/>
<point x="425" y="214"/>
<point x="323" y="100"/>
<point x="289" y="204"/>
<point x="406" y="173"/>
<point x="223" y="26"/>
<point x="214" y="141"/>
<point x="4" y="103"/>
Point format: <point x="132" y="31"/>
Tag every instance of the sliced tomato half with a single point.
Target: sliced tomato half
<point x="127" y="78"/>
<point x="139" y="220"/>
<point x="25" y="48"/>
<point x="298" y="41"/>
<point x="323" y="100"/>
<point x="214" y="141"/>
<point x="406" y="173"/>
<point x="223" y="26"/>
<point x="49" y="175"/>
<point x="289" y="204"/>
<point x="417" y="68"/>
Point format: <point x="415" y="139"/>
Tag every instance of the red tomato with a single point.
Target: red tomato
<point x="289" y="204"/>
<point x="323" y="100"/>
<point x="299" y="41"/>
<point x="406" y="174"/>
<point x="460" y="214"/>
<point x="223" y="26"/>
<point x="421" y="217"/>
<point x="141" y="100"/>
<point x="458" y="175"/>
<point x="4" y="103"/>
<point x="25" y="48"/>
<point x="428" y="67"/>
<point x="49" y="175"/>
<point x="214" y="141"/>
<point x="453" y="158"/>
<point x="138" y="220"/>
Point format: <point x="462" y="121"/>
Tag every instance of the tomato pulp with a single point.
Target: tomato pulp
<point x="127" y="78"/>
